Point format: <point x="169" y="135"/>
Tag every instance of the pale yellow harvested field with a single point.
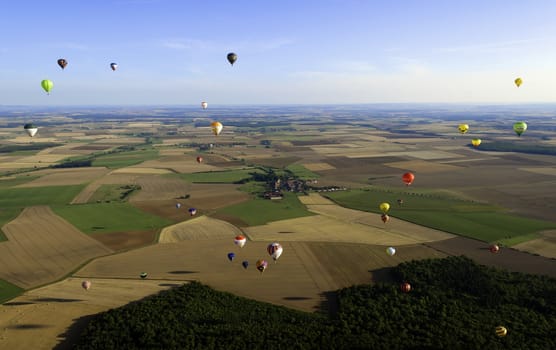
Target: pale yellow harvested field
<point x="209" y="192"/>
<point x="43" y="247"/>
<point x="36" y="138"/>
<point x="143" y="125"/>
<point x="415" y="140"/>
<point x="160" y="188"/>
<point x="186" y="165"/>
<point x="141" y="170"/>
<point x="64" y="177"/>
<point x="120" y="140"/>
<point x="285" y="144"/>
<point x="108" y="179"/>
<point x="69" y="134"/>
<point x="200" y="228"/>
<point x="422" y="166"/>
<point x="541" y="170"/>
<point x="318" y="166"/>
<point x="314" y="198"/>
<point x="545" y="246"/>
<point x="38" y="318"/>
<point x="174" y="151"/>
<point x="369" y="137"/>
<point x="365" y="149"/>
<point x="174" y="141"/>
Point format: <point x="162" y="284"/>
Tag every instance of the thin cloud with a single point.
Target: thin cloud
<point x="489" y="47"/>
<point x="185" y="44"/>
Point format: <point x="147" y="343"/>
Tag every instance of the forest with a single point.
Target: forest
<point x="453" y="303"/>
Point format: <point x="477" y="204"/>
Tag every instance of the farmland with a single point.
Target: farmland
<point x="333" y="237"/>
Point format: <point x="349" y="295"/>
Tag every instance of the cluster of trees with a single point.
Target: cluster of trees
<point x="35" y="146"/>
<point x="453" y="304"/>
<point x="530" y="148"/>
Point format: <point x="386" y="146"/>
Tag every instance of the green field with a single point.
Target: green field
<point x="110" y="193"/>
<point x="301" y="172"/>
<point x="17" y="181"/>
<point x="8" y="291"/>
<point x="123" y="159"/>
<point x="109" y="217"/>
<point x="259" y="211"/>
<point x="13" y="200"/>
<point x="462" y="217"/>
<point x="228" y="176"/>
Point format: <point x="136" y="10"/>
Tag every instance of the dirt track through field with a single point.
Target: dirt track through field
<point x="43" y="247"/>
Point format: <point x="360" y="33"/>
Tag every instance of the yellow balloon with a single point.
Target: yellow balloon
<point x="384" y="207"/>
<point x="463" y="128"/>
<point x="476" y="142"/>
<point x="216" y="128"/>
<point x="501" y="331"/>
<point x="518" y="82"/>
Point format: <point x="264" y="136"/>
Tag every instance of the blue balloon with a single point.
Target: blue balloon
<point x="231" y="256"/>
<point x="245" y="264"/>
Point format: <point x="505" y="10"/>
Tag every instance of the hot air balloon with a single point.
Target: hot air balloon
<point x="232" y="57"/>
<point x="114" y="66"/>
<point x="216" y="128"/>
<point x="520" y="128"/>
<point x="143" y="275"/>
<point x="400" y="202"/>
<point x="245" y="264"/>
<point x="62" y="63"/>
<point x="405" y="287"/>
<point x="47" y="85"/>
<point x="240" y="241"/>
<point x="476" y="142"/>
<point x="30" y="129"/>
<point x="494" y="248"/>
<point x="86" y="285"/>
<point x="384" y="207"/>
<point x="463" y="128"/>
<point x="385" y="218"/>
<point x="192" y="211"/>
<point x="501" y="331"/>
<point x="408" y="178"/>
<point x="391" y="251"/>
<point x="261" y="265"/>
<point x="199" y="159"/>
<point x="274" y="250"/>
<point x="231" y="256"/>
<point x="204" y="105"/>
<point x="518" y="82"/>
<point x="178" y="205"/>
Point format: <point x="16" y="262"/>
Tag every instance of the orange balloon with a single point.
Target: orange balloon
<point x="408" y="178"/>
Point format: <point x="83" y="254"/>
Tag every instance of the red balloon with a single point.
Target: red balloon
<point x="494" y="248"/>
<point x="199" y="159"/>
<point x="408" y="178"/>
<point x="405" y="287"/>
<point x="385" y="218"/>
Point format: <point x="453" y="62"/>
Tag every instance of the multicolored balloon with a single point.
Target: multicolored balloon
<point x="30" y="129"/>
<point x="405" y="287"/>
<point x="494" y="248"/>
<point x="199" y="159"/>
<point x="501" y="331"/>
<point x="178" y="205"/>
<point x="391" y="251"/>
<point x="143" y="275"/>
<point x="385" y="218"/>
<point x="192" y="211"/>
<point x="400" y="202"/>
<point x="62" y="63"/>
<point x="274" y="250"/>
<point x="240" y="241"/>
<point x="204" y="105"/>
<point x="216" y="128"/>
<point x="232" y="58"/>
<point x="86" y="285"/>
<point x="113" y="66"/>
<point x="261" y="265"/>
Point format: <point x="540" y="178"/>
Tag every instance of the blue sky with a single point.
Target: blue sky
<point x="325" y="51"/>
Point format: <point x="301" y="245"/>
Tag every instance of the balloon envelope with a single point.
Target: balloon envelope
<point x="62" y="63"/>
<point x="240" y="241"/>
<point x="391" y="251"/>
<point x="261" y="265"/>
<point x="192" y="211"/>
<point x="86" y="285"/>
<point x="476" y="142"/>
<point x="178" y="205"/>
<point x="518" y="82"/>
<point x="384" y="207"/>
<point x="494" y="248"/>
<point x="231" y="256"/>
<point x="385" y="218"/>
<point x="204" y="105"/>
<point x="520" y="128"/>
<point x="405" y="287"/>
<point x="199" y="159"/>
<point x="463" y="128"/>
<point x="216" y="128"/>
<point x="47" y="85"/>
<point x="245" y="264"/>
<point x="408" y="178"/>
<point x="501" y="331"/>
<point x="113" y="66"/>
<point x="143" y="275"/>
<point x="232" y="57"/>
<point x="30" y="129"/>
<point x="400" y="201"/>
<point x="274" y="250"/>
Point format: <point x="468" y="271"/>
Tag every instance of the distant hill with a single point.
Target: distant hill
<point x="453" y="304"/>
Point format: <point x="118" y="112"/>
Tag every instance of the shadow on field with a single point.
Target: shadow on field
<point x="382" y="275"/>
<point x="18" y="303"/>
<point x="297" y="298"/>
<point x="29" y="326"/>
<point x="182" y="272"/>
<point x="57" y="300"/>
<point x="170" y="285"/>
<point x="69" y="338"/>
